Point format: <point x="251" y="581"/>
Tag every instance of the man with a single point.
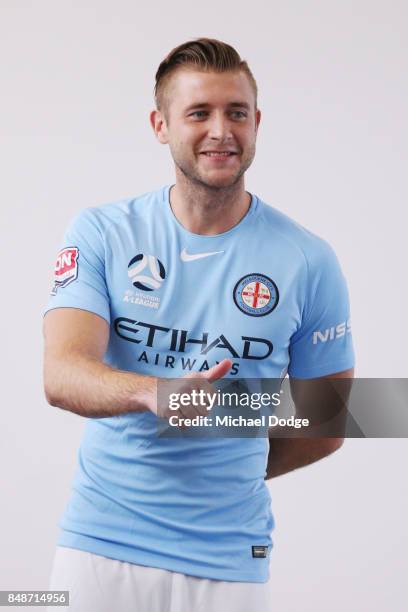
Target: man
<point x="198" y="280"/>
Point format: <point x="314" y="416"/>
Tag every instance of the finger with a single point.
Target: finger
<point x="218" y="370"/>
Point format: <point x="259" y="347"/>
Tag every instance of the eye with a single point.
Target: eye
<point x="198" y="114"/>
<point x="239" y="114"/>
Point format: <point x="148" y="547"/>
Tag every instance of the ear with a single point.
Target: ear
<point x="159" y="125"/>
<point x="257" y="119"/>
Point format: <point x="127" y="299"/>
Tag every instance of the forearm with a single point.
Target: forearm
<point x="90" y="388"/>
<point x="287" y="454"/>
<point x="324" y="402"/>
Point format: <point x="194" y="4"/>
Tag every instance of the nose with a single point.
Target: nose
<point x="219" y="127"/>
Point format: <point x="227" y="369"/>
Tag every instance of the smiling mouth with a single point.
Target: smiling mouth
<point x="218" y="153"/>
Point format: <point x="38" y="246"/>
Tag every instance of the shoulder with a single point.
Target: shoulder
<point x="313" y="249"/>
<point x="104" y="217"/>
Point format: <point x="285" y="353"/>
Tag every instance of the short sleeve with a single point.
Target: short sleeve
<point x="79" y="273"/>
<point x="323" y="344"/>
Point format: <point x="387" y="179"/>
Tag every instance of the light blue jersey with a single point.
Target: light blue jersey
<point x="267" y="294"/>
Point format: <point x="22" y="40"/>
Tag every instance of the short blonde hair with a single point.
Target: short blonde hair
<point x="207" y="54"/>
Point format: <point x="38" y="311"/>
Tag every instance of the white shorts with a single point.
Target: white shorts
<point x="99" y="584"/>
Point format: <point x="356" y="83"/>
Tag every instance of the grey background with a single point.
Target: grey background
<point x="77" y="81"/>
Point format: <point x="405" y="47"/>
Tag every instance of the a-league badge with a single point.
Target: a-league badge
<point x="146" y="272"/>
<point x="256" y="295"/>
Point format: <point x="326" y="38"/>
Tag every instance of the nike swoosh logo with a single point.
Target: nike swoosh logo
<point x="187" y="257"/>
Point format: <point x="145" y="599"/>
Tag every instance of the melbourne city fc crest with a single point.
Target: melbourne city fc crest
<point x="256" y="295"/>
<point x="146" y="272"/>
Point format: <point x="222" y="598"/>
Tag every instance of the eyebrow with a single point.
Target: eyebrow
<point x="206" y="105"/>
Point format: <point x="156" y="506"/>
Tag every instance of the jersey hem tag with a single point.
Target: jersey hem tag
<point x="259" y="552"/>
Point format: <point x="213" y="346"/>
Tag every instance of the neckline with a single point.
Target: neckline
<point x="250" y="213"/>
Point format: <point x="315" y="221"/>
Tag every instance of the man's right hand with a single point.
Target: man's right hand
<point x="158" y="400"/>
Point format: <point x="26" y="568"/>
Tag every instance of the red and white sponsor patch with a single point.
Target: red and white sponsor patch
<point x="66" y="267"/>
